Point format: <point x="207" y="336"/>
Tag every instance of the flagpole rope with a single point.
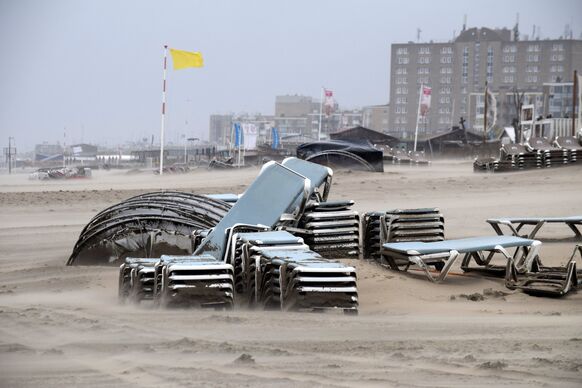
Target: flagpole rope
<point x="163" y="111"/>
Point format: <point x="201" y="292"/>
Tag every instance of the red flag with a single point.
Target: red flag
<point x="425" y="100"/>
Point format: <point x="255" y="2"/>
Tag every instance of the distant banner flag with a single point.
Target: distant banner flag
<point x="237" y="135"/>
<point x="185" y="59"/>
<point x="328" y="102"/>
<point x="77" y="150"/>
<point x="275" y="138"/>
<point x="249" y="136"/>
<point x="425" y="100"/>
<point x="491" y="109"/>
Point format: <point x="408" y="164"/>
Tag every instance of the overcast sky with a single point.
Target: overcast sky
<point x="95" y="67"/>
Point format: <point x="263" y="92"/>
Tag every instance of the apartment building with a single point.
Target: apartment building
<point x="458" y="70"/>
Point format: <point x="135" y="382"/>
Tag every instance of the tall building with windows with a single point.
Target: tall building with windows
<point x="457" y="71"/>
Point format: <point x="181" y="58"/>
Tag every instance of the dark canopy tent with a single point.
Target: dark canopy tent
<point x="342" y="154"/>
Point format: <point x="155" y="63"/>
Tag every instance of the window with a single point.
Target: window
<point x="533" y="48"/>
<point x="557" y="47"/>
<point x="424" y="50"/>
<point x="401" y="81"/>
<point x="556" y="68"/>
<point x="445" y="90"/>
<point x="533" y="58"/>
<point x="424" y="60"/>
<point x="509" y="58"/>
<point x="401" y="70"/>
<point x="446" y="59"/>
<point x="446" y="50"/>
<point x="531" y="69"/>
<point x="508" y="79"/>
<point x="532" y="78"/>
<point x="509" y="49"/>
<point x="445" y="80"/>
<point x="402" y="51"/>
<point x="403" y="60"/>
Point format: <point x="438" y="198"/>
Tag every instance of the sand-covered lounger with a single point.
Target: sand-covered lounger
<point x="540" y="280"/>
<point x="516" y="224"/>
<point x="432" y="254"/>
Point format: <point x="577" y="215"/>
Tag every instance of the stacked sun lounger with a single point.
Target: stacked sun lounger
<point x="136" y="279"/>
<point x="418" y="158"/>
<point x="550" y="156"/>
<point x="400" y="157"/>
<point x="302" y="279"/>
<point x="492" y="164"/>
<point x="540" y="280"/>
<point x="572" y="145"/>
<point x="200" y="280"/>
<point x="330" y="228"/>
<point x="520" y="156"/>
<point x="400" y="225"/>
<point x="371" y="235"/>
<point x="243" y="251"/>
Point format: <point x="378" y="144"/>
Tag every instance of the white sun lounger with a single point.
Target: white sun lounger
<point x="515" y="224"/>
<point x="424" y="254"/>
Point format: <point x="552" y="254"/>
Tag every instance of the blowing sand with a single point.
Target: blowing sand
<point x="63" y="326"/>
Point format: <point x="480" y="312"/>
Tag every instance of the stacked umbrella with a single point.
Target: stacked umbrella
<point x="330" y="228"/>
<point x="549" y="155"/>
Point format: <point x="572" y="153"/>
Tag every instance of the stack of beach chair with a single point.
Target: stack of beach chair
<point x="418" y="158"/>
<point x="572" y="145"/>
<point x="302" y="279"/>
<point x="136" y="279"/>
<point x="371" y="235"/>
<point x="200" y="280"/>
<point x="330" y="228"/>
<point x="550" y="155"/>
<point x="401" y="225"/>
<point x="243" y="254"/>
<point x="520" y="156"/>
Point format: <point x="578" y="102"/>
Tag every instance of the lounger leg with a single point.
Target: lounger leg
<point x="575" y="230"/>
<point x="535" y="230"/>
<point x="497" y="229"/>
<point x="443" y="273"/>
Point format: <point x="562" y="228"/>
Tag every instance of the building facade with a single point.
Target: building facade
<point x="515" y="71"/>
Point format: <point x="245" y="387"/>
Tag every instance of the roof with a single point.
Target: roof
<point x="361" y="134"/>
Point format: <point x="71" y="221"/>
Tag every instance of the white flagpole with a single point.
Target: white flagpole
<point x="163" y="111"/>
<point x="418" y="116"/>
<point x="320" y="114"/>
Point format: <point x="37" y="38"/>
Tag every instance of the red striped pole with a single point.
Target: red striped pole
<point x="163" y="111"/>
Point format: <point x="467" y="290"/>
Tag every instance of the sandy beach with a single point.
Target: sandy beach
<point x="63" y="326"/>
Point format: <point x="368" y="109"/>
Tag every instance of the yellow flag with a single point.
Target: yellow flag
<point x="185" y="59"/>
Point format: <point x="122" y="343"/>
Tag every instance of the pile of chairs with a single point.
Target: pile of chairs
<point x="177" y="280"/>
<point x="537" y="153"/>
<point x="302" y="279"/>
<point x="244" y="255"/>
<point x="572" y="145"/>
<point x="400" y="225"/>
<point x="548" y="154"/>
<point x="330" y="228"/>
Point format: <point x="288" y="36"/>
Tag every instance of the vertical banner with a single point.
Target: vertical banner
<point x="237" y="135"/>
<point x="425" y="100"/>
<point x="249" y="136"/>
<point x="329" y="103"/>
<point x="275" y="138"/>
<point x="491" y="110"/>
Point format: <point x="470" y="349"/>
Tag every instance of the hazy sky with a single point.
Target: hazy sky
<point x="95" y="67"/>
